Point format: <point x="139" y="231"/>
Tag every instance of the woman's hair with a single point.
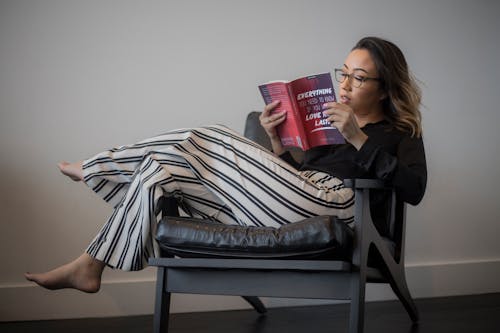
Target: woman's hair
<point x="401" y="106"/>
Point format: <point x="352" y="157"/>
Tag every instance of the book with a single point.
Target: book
<point x="305" y="125"/>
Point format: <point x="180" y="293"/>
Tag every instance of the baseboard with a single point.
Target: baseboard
<point x="454" y="278"/>
<point x="118" y="298"/>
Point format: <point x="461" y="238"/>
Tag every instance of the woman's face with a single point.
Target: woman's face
<point x="364" y="100"/>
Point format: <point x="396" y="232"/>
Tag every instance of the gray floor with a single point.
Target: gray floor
<point x="480" y="313"/>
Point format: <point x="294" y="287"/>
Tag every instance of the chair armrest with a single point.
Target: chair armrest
<point x="360" y="183"/>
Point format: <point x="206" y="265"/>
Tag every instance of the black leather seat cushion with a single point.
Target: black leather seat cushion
<point x="316" y="237"/>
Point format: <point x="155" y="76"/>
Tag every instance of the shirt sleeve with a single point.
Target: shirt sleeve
<point x="407" y="171"/>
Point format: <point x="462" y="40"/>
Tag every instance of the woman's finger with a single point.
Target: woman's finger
<point x="273" y="120"/>
<point x="270" y="107"/>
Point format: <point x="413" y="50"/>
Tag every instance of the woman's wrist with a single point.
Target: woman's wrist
<point x="276" y="145"/>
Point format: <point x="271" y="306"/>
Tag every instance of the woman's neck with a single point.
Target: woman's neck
<point x="369" y="118"/>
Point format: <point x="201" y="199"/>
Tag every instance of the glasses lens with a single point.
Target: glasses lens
<point x="339" y="75"/>
<point x="356" y="83"/>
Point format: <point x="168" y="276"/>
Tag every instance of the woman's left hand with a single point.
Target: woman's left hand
<point x="342" y="117"/>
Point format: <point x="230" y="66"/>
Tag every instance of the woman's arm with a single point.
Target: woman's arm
<point x="407" y="171"/>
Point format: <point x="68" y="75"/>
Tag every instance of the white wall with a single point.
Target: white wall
<point x="77" y="77"/>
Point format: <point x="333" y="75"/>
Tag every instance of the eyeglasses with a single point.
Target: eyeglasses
<point x="356" y="80"/>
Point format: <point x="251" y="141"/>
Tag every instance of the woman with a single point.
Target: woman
<point x="215" y="173"/>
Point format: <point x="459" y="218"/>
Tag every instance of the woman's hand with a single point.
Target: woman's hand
<point x="342" y="117"/>
<point x="269" y="122"/>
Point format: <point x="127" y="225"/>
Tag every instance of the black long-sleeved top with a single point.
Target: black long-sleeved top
<point x="388" y="154"/>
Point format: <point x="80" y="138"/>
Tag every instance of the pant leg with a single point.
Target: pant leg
<point x="221" y="175"/>
<point x="110" y="173"/>
<point x="126" y="241"/>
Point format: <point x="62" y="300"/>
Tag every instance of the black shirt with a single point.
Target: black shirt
<point x="388" y="154"/>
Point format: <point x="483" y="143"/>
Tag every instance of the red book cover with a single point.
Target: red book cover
<point x="305" y="126"/>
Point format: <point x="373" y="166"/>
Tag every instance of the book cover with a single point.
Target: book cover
<point x="305" y="126"/>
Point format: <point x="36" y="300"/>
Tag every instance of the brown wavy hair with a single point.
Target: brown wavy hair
<point x="401" y="106"/>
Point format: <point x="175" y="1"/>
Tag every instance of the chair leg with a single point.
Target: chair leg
<point x="357" y="313"/>
<point x="256" y="303"/>
<point x="400" y="288"/>
<point x="162" y="303"/>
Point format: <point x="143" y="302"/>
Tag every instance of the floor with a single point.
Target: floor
<point x="477" y="314"/>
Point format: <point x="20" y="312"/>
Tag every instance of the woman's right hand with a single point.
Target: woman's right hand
<point x="269" y="122"/>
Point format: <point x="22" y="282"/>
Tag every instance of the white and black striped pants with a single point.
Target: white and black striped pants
<point x="214" y="173"/>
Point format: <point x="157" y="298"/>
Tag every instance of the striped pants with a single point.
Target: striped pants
<point x="214" y="173"/>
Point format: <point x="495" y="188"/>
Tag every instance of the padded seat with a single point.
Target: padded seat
<point x="319" y="237"/>
<point x="313" y="238"/>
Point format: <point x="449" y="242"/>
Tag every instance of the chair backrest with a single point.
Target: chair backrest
<point x="254" y="131"/>
<point x="397" y="226"/>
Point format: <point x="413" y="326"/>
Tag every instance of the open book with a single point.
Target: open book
<point x="305" y="125"/>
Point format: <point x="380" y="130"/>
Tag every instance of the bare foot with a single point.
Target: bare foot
<point x="84" y="274"/>
<point x="72" y="170"/>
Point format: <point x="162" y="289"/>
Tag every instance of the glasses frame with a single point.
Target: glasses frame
<point x="353" y="81"/>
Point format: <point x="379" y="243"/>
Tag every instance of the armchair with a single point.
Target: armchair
<point x="357" y="258"/>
